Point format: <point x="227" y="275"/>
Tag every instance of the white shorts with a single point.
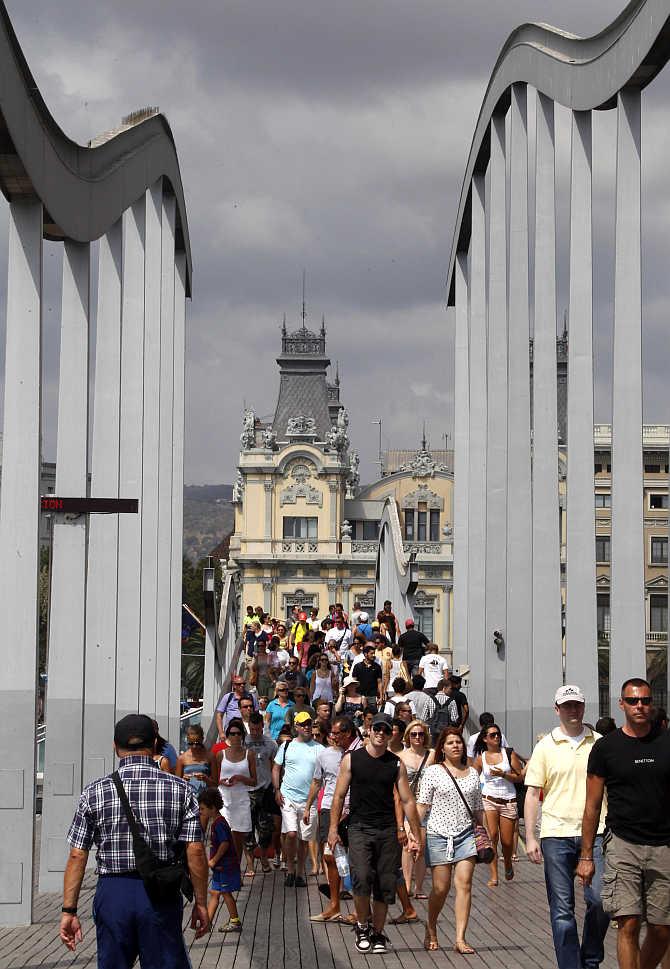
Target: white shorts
<point x="291" y="820"/>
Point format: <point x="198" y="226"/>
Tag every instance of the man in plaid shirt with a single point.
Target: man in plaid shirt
<point x="127" y="923"/>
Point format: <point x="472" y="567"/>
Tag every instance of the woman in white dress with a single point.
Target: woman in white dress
<point x="450" y="839"/>
<point x="237" y="773"/>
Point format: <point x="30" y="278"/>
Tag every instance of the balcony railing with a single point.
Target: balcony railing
<point x="299" y="545"/>
<point x="604" y="637"/>
<point x="423" y="548"/>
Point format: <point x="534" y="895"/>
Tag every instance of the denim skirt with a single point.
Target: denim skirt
<point x="443" y="850"/>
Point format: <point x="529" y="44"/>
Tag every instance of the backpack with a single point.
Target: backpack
<point x="445" y="715"/>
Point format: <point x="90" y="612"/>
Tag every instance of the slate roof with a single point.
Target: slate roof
<point x="303" y="390"/>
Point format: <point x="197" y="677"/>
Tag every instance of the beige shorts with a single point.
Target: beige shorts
<point x="504" y="809"/>
<point x="636" y="881"/>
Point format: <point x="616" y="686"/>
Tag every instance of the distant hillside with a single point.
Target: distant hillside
<point x="208" y="518"/>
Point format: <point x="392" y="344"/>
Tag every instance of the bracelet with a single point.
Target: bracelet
<point x="69" y="910"/>
<point x="583" y="858"/>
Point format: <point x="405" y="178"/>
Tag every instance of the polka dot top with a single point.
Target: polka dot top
<point x="448" y="816"/>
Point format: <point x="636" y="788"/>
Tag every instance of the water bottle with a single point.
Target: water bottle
<point x="341" y="860"/>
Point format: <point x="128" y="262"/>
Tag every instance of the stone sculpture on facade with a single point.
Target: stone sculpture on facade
<point x="248" y="435"/>
<point x="238" y="489"/>
<point x="337" y="438"/>
<point x="301" y="426"/>
<point x="269" y="439"/>
<point x="353" y="475"/>
<point x="346" y="529"/>
<point x="423" y="465"/>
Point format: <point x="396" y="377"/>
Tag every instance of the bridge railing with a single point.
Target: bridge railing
<point x="507" y="560"/>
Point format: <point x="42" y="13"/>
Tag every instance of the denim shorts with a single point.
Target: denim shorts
<point x="441" y="850"/>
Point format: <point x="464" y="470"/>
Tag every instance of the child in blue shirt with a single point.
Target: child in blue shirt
<point x="223" y="861"/>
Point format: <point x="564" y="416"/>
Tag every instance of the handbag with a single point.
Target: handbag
<point x="485" y="852"/>
<point x="163" y="881"/>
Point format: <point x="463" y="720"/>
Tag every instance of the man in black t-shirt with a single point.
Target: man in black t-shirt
<point x="413" y="645"/>
<point x="369" y="676"/>
<point x="633" y="764"/>
<point x="371" y="774"/>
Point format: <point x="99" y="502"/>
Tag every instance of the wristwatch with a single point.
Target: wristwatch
<point x="69" y="909"/>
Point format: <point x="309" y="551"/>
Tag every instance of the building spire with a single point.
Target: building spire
<point x="423" y="439"/>
<point x="283" y="326"/>
<point x="304" y="311"/>
<point x="323" y="326"/>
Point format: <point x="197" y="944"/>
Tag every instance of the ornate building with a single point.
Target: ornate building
<point x="305" y="531"/>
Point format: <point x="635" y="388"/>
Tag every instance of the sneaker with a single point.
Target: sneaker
<point x="300" y="882"/>
<point x="234" y="925"/>
<point x="289" y="881"/>
<point x="283" y="865"/>
<point x="378" y="942"/>
<point x="362" y="933"/>
<point x="276" y="862"/>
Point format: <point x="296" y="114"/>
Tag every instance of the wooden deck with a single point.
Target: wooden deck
<point x="509" y="927"/>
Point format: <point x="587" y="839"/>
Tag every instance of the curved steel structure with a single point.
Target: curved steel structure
<point x="84" y="191"/>
<point x="581" y="73"/>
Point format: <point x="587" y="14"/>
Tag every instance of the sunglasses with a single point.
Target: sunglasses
<point x="281" y="691"/>
<point x="381" y="727"/>
<point x="194" y="743"/>
<point x="417" y="733"/>
<point x="632" y="701"/>
<point x="492" y="736"/>
<point x="233" y="733"/>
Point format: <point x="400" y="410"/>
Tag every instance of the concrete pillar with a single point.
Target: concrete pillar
<point x="496" y="443"/>
<point x="65" y="689"/>
<point x="518" y="648"/>
<point x="461" y="462"/>
<point x="19" y="558"/>
<point x="627" y="636"/>
<point x="103" y="557"/>
<point x="581" y="659"/>
<point x="547" y="636"/>
<point x="177" y="495"/>
<point x="150" y="466"/>
<point x="268" y="488"/>
<point x="477" y="450"/>
<point x="129" y="595"/>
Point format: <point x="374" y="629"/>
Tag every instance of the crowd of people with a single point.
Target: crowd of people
<point x="341" y="754"/>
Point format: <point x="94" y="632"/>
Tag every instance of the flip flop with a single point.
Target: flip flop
<point x="249" y="874"/>
<point x="329" y="918"/>
<point x="404" y="919"/>
<point x="420" y="895"/>
<point x="464" y="949"/>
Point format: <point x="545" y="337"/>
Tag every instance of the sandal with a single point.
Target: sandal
<point x="430" y="942"/>
<point x="338" y="917"/>
<point x="464" y="949"/>
<point x="403" y="919"/>
<point x="509" y="874"/>
<point x="515" y="857"/>
<point x="249" y="873"/>
<point x="491" y="884"/>
<point x="420" y="895"/>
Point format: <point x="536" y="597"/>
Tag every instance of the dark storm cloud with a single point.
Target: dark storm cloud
<point x="331" y="137"/>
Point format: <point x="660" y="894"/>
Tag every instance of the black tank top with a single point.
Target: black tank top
<point x="371" y="792"/>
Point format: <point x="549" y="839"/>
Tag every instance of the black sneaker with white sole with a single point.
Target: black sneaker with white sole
<point x="378" y="942"/>
<point x="362" y="933"/>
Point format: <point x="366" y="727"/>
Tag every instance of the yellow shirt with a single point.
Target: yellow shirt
<point x="558" y="768"/>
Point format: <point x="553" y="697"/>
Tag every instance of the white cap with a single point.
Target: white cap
<point x="348" y="680"/>
<point x="567" y="694"/>
<point x="363" y="617"/>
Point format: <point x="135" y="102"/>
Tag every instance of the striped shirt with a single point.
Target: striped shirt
<point x="165" y="807"/>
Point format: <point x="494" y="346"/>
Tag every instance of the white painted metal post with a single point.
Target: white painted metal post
<point x="518" y="641"/>
<point x="496" y="446"/>
<point x="164" y="612"/>
<point x="627" y="636"/>
<point x="149" y="503"/>
<point x="477" y="451"/>
<point x="547" y="638"/>
<point x="19" y="558"/>
<point x="67" y="615"/>
<point x="177" y="496"/>
<point x="103" y="530"/>
<point x="461" y="463"/>
<point x="581" y="659"/>
<point x="129" y="596"/>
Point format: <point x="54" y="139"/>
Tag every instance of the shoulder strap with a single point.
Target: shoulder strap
<point x="462" y="795"/>
<point x="128" y="811"/>
<point x="417" y="777"/>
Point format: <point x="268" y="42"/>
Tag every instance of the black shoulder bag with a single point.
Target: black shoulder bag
<point x="163" y="880"/>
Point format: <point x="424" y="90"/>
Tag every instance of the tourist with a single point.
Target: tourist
<point x="433" y="667"/>
<point x="293" y="677"/>
<point x="354" y="654"/>
<point x="253" y="636"/>
<point x="196" y="764"/>
<point x="128" y="923"/>
<point x="605" y="725"/>
<point x="282" y="633"/>
<point x="369" y="676"/>
<point x="416" y="756"/>
<point x="557" y="770"/>
<point x="320" y="732"/>
<point x="454" y="692"/>
<point x="250" y="617"/>
<point x="500" y="770"/>
<point x="422" y="703"/>
<point x="223" y="861"/>
<point x="313" y="620"/>
<point x="446" y="712"/>
<point x="394" y="668"/>
<point x="246" y="709"/>
<point x="451" y="790"/>
<point x="297" y="759"/>
<point x="413" y="644"/>
<point x="350" y="701"/>
<point x="267" y="626"/>
<point x="486" y="719"/>
<point x="399" y="690"/>
<point x="632" y="765"/>
<point x="326" y="768"/>
<point x="398" y="727"/>
<point x="363" y="627"/>
<point x="404" y="712"/>
<point x="356" y="613"/>
<point x="168" y="749"/>
<point x="228" y="707"/>
<point x="323" y="711"/>
<point x="301" y="705"/>
<point x="299" y="631"/>
<point x="237" y="774"/>
<point x="275" y="715"/>
<point x="339" y="637"/>
<point x="386" y="618"/>
<point x="372" y="774"/>
<point x="260" y="675"/>
<point x="265" y="813"/>
<point x="161" y="758"/>
<point x="366" y="724"/>
<point x="334" y="658"/>
<point x="324" y="684"/>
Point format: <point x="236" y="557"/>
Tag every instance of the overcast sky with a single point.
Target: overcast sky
<point x="329" y="137"/>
